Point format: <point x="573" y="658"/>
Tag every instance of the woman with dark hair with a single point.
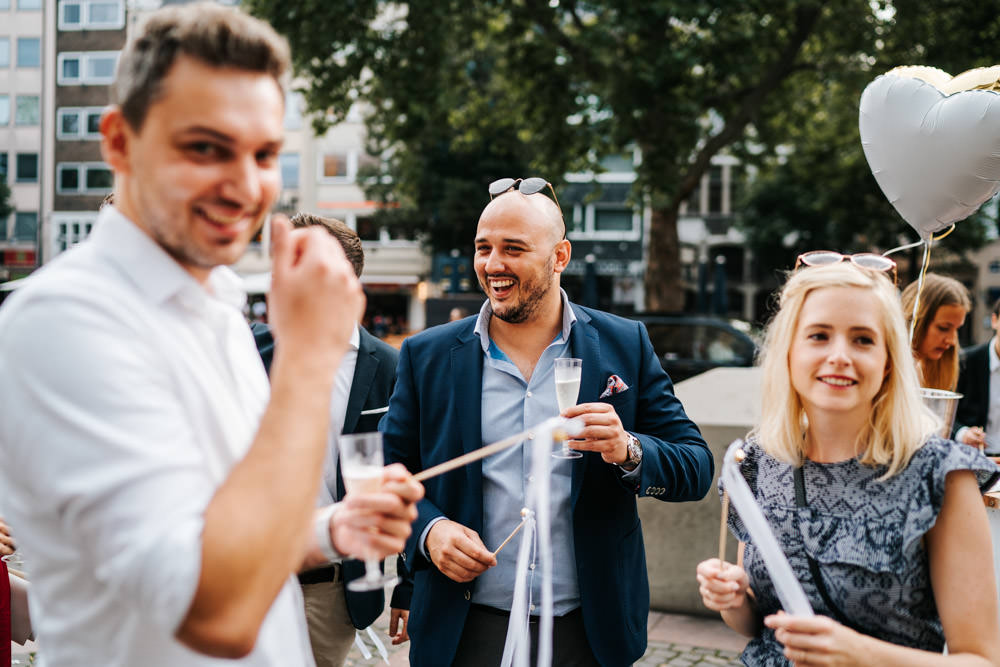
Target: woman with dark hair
<point x="944" y="303"/>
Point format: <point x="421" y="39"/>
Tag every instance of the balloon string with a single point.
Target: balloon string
<point x="917" y="243"/>
<point x="920" y="287"/>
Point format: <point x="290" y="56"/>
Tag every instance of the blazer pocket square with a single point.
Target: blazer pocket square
<point x="615" y="385"/>
<point x="375" y="411"/>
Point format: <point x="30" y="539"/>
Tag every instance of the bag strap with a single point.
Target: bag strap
<point x="800" y="501"/>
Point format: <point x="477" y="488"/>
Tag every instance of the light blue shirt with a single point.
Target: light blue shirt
<point x="510" y="404"/>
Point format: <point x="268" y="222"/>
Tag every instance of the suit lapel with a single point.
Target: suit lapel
<point x="466" y="373"/>
<point x="364" y="375"/>
<point x="585" y="344"/>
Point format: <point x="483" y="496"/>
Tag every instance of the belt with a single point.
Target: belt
<point x="493" y="611"/>
<point x="321" y="575"/>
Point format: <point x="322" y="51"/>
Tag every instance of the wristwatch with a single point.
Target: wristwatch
<point x="634" y="453"/>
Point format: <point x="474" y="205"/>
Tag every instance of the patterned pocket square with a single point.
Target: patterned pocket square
<point x="615" y="385"/>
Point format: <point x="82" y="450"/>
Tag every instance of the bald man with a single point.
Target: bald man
<point x="475" y="381"/>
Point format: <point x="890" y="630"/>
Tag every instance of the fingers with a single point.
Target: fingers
<point x="400" y="617"/>
<point x="372" y="525"/>
<point x="721" y="586"/>
<point x="398" y="480"/>
<point x="457" y="551"/>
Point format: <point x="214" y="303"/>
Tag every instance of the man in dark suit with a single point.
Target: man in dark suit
<point x="977" y="422"/>
<point x="360" y="399"/>
<point x="467" y="383"/>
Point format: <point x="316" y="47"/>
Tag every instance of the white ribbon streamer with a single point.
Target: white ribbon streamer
<point x="793" y="598"/>
<point x="538" y="515"/>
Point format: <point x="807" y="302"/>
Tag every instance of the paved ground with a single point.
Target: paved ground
<point x="674" y="641"/>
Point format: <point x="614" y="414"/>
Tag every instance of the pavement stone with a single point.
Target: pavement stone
<point x="658" y="653"/>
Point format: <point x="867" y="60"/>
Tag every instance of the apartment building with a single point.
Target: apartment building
<point x="89" y="35"/>
<point x="22" y="68"/>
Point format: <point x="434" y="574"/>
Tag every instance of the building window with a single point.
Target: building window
<point x="29" y="52"/>
<point x="3" y="167"/>
<point x="334" y="166"/>
<point x="79" y="122"/>
<point x="26" y="110"/>
<point x="4" y="51"/>
<point x="26" y="169"/>
<point x="612" y="219"/>
<point x="289" y="163"/>
<point x="4" y="4"/>
<point x="29" y="4"/>
<point x="715" y="189"/>
<point x="294" y="104"/>
<point x="4" y="109"/>
<point x="91" y="14"/>
<point x="96" y="67"/>
<point x="25" y="226"/>
<point x="87" y="178"/>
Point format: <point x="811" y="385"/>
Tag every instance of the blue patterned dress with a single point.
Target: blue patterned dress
<point x="866" y="536"/>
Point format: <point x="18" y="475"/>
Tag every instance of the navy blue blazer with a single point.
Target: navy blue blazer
<point x="371" y="386"/>
<point x="435" y="415"/>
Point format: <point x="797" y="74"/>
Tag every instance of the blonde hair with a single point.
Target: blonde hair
<point x="899" y="423"/>
<point x="937" y="291"/>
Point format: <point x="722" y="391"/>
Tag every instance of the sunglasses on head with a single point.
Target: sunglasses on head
<point x="526" y="186"/>
<point x="866" y="260"/>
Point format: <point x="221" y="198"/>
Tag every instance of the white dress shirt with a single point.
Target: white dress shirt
<point x="129" y="393"/>
<point x="338" y="412"/>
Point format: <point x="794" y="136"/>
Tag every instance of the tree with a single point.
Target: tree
<point x="822" y="194"/>
<point x="464" y="92"/>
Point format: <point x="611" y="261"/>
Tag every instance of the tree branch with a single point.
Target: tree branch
<point x="805" y="22"/>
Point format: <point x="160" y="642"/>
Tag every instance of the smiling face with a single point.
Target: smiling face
<point x="201" y="173"/>
<point x="942" y="333"/>
<point x="838" y="358"/>
<point x="519" y="256"/>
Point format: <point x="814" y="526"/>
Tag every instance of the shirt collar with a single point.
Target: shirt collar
<point x="154" y="272"/>
<point x="994" y="359"/>
<point x="486" y="312"/>
<point x="356" y="338"/>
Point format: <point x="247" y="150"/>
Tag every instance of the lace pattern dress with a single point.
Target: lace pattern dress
<point x="866" y="536"/>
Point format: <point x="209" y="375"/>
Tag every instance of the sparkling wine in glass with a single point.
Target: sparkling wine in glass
<point x="361" y="466"/>
<point x="567" y="376"/>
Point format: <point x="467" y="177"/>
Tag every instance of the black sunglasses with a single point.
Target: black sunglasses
<point x="866" y="260"/>
<point x="526" y="186"/>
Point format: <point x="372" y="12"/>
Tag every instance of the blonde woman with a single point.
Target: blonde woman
<point x="882" y="522"/>
<point x="944" y="303"/>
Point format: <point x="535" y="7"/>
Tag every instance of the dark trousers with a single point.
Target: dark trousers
<point x="485" y="633"/>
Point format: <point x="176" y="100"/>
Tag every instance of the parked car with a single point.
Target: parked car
<point x="687" y="345"/>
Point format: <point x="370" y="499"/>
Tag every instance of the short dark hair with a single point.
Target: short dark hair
<point x="996" y="308"/>
<point x="348" y="238"/>
<point x="210" y="33"/>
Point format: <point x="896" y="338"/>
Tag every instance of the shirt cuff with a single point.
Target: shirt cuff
<point x="323" y="529"/>
<point x="632" y="475"/>
<point x="960" y="434"/>
<point x="422" y="544"/>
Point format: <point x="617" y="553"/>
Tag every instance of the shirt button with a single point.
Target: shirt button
<point x="468" y="595"/>
<point x="531" y="435"/>
<point x="531" y="478"/>
<point x="528" y="394"/>
<point x="532" y="607"/>
<point x="531" y="567"/>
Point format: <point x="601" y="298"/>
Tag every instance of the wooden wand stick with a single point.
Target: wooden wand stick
<point x="571" y="426"/>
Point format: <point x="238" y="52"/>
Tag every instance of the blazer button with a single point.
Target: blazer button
<point x="468" y="595"/>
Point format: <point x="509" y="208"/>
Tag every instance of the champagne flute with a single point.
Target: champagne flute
<point x="567" y="374"/>
<point x="361" y="466"/>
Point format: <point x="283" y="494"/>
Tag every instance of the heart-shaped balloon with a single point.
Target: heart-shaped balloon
<point x="933" y="142"/>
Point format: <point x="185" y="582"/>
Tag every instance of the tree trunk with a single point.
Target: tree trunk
<point x="664" y="288"/>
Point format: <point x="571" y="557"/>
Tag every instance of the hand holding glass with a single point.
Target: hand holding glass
<point x="361" y="465"/>
<point x="567" y="375"/>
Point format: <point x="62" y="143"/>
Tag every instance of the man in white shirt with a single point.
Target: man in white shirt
<point x="162" y="496"/>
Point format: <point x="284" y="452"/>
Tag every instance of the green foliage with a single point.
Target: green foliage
<point x="462" y="93"/>
<point x="6" y="205"/>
